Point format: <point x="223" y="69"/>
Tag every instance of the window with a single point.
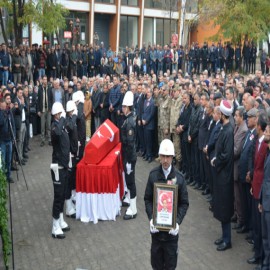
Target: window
<point x="163" y="4"/>
<point x="129" y="2"/>
<point x="164" y="30"/>
<point x="105" y="1"/>
<point x="148" y="31"/>
<point x="128" y="31"/>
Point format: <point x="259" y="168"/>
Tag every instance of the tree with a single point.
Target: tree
<point x="238" y="19"/>
<point x="48" y="15"/>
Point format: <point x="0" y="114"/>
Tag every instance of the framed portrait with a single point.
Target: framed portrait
<point x="165" y="206"/>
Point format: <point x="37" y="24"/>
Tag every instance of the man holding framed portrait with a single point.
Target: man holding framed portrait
<point x="166" y="203"/>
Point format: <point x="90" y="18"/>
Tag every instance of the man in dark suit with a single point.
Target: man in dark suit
<point x="204" y="122"/>
<point x="44" y="110"/>
<point x="193" y="132"/>
<point x="244" y="168"/>
<point x="182" y="128"/>
<point x="148" y="123"/>
<point x="210" y="150"/>
<point x="19" y="112"/>
<point x="139" y="103"/>
<point x="264" y="206"/>
<point x="240" y="131"/>
<point x="258" y="158"/>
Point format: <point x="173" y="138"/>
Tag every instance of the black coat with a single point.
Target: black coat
<point x="194" y="122"/>
<point x="104" y="112"/>
<point x="203" y="130"/>
<point x="40" y="98"/>
<point x="223" y="200"/>
<point x="184" y="120"/>
<point x="157" y="176"/>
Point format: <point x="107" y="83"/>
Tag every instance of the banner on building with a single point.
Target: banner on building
<point x="67" y="34"/>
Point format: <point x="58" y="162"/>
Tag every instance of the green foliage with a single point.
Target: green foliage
<point x="238" y="19"/>
<point x="6" y="243"/>
<point x="46" y="14"/>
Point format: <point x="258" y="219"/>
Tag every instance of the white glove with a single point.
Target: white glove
<point x="213" y="162"/>
<point x="174" y="231"/>
<point x="153" y="229"/>
<point x="128" y="167"/>
<point x="54" y="168"/>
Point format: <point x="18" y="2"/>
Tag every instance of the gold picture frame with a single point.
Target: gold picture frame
<point x="165" y="206"/>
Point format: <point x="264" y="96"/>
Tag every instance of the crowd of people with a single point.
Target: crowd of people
<point x="23" y="63"/>
<point x="215" y="118"/>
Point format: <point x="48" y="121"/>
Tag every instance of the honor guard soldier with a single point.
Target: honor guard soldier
<point x="59" y="169"/>
<point x="128" y="139"/>
<point x="71" y="127"/>
<point x="164" y="248"/>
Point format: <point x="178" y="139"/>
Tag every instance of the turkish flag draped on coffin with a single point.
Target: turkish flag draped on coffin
<point x="99" y="178"/>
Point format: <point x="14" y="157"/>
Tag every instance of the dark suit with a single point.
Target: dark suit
<point x="243" y="169"/>
<point x="203" y="129"/>
<point x="239" y="136"/>
<point x="185" y="146"/>
<point x="139" y="111"/>
<point x="148" y="129"/>
<point x="265" y="201"/>
<point x="211" y="151"/>
<point x="44" y="106"/>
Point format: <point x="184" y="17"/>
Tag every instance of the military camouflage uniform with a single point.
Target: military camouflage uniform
<point x="176" y="105"/>
<point x="164" y="118"/>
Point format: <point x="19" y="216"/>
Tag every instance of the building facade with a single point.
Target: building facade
<point x="121" y="23"/>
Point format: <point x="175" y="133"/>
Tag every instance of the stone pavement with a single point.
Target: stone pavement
<point x="113" y="245"/>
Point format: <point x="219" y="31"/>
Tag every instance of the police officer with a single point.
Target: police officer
<point x="71" y="127"/>
<point x="164" y="249"/>
<point x="128" y="139"/>
<point x="59" y="169"/>
<point x="78" y="98"/>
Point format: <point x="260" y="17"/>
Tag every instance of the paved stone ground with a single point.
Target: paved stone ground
<point x="113" y="245"/>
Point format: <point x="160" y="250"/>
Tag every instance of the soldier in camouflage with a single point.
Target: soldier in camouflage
<point x="176" y="105"/>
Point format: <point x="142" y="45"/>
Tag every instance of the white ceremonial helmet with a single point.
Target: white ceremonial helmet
<point x="226" y="108"/>
<point x="76" y="96"/>
<point x="71" y="106"/>
<point x="57" y="108"/>
<point x="128" y="99"/>
<point x="81" y="96"/>
<point x="166" y="148"/>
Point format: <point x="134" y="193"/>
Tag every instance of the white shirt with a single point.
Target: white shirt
<point x="260" y="142"/>
<point x="167" y="172"/>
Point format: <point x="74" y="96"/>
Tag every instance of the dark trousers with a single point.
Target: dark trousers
<point x="246" y="65"/>
<point x="226" y="232"/>
<point x="114" y="117"/>
<point x="266" y="239"/>
<point x="59" y="192"/>
<point x="141" y="144"/>
<point x="246" y="203"/>
<point x="71" y="181"/>
<point x="203" y="167"/>
<point x="257" y="228"/>
<point x="252" y="65"/>
<point x="130" y="179"/>
<point x="209" y="176"/>
<point x="238" y="191"/>
<point x="148" y="139"/>
<point x="186" y="150"/>
<point x="164" y="254"/>
<point x="194" y="160"/>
